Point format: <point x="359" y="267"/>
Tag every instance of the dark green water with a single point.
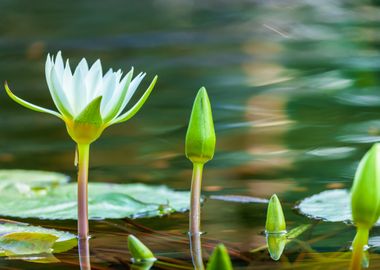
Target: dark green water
<point x="294" y="87"/>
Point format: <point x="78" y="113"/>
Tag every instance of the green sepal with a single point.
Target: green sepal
<point x="275" y="222"/>
<point x="200" y="136"/>
<point x="91" y="114"/>
<point x="219" y="260"/>
<point x="27" y="104"/>
<point x="365" y="192"/>
<point x="139" y="252"/>
<point x="131" y="112"/>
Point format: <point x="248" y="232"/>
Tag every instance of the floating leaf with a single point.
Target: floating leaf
<point x="58" y="200"/>
<point x="22" y="239"/>
<point x="32" y="178"/>
<point x="27" y="243"/>
<point x="330" y="205"/>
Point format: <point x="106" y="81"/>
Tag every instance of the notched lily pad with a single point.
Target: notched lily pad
<point x="57" y="199"/>
<point x="331" y="205"/>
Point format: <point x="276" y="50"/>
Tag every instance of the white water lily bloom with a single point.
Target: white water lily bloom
<point x="87" y="100"/>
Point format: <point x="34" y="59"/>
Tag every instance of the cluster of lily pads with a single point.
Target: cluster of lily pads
<point x="88" y="102"/>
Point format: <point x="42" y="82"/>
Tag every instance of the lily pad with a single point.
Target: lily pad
<point x="58" y="199"/>
<point x="20" y="239"/>
<point x="331" y="205"/>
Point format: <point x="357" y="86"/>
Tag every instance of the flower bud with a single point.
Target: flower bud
<point x="200" y="136"/>
<point x="219" y="260"/>
<point x="139" y="252"/>
<point x="365" y="192"/>
<point x="275" y="217"/>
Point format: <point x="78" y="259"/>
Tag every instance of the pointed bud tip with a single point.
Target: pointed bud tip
<point x="275" y="222"/>
<point x="139" y="252"/>
<point x="219" y="259"/>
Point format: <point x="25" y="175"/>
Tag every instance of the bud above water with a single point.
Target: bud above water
<point x="365" y="192"/>
<point x="139" y="252"/>
<point x="275" y="217"/>
<point x="219" y="260"/>
<point x="200" y="136"/>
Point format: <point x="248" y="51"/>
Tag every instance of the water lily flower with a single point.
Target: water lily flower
<point x="88" y="102"/>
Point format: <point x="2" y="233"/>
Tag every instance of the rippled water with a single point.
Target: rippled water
<point x="294" y="89"/>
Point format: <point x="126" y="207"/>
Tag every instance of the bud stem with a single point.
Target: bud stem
<point x="83" y="161"/>
<point x="195" y="216"/>
<point x="361" y="239"/>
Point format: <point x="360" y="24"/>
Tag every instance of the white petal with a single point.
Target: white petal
<point x="58" y="63"/>
<point x="67" y="83"/>
<point x="131" y="90"/>
<point x="79" y="91"/>
<point x="113" y="106"/>
<point x="58" y="94"/>
<point x="109" y="84"/>
<point x="94" y="79"/>
<point x="48" y="66"/>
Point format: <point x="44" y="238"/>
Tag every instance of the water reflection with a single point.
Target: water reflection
<point x="84" y="253"/>
<point x="196" y="250"/>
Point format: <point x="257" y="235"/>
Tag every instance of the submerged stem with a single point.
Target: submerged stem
<point x="361" y="239"/>
<point x="83" y="160"/>
<point x="195" y="217"/>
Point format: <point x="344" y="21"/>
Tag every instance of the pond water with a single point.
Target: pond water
<point x="294" y="87"/>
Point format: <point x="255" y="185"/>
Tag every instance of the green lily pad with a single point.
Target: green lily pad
<point x="331" y="205"/>
<point x="27" y="243"/>
<point x="57" y="199"/>
<point x="20" y="239"/>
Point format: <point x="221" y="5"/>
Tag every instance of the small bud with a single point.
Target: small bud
<point x="200" y="136"/>
<point x="365" y="192"/>
<point x="275" y="217"/>
<point x="139" y="252"/>
<point x="219" y="260"/>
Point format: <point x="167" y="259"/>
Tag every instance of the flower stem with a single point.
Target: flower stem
<point x="361" y="239"/>
<point x="83" y="160"/>
<point x="195" y="217"/>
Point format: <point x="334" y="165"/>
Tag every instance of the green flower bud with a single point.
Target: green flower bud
<point x="139" y="252"/>
<point x="200" y="136"/>
<point x="219" y="260"/>
<point x="275" y="217"/>
<point x="365" y="192"/>
<point x="276" y="243"/>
